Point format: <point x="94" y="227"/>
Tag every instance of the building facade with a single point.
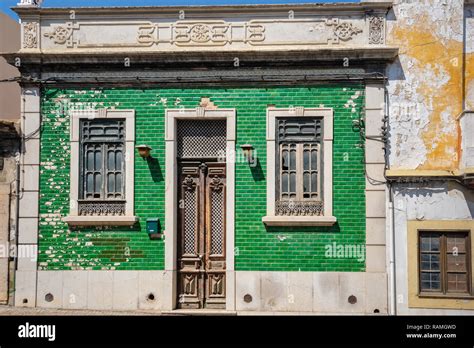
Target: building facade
<point x="247" y="158"/>
<point x="431" y="91"/>
<point x="9" y="148"/>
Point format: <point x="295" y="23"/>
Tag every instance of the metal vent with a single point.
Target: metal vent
<point x="201" y="139"/>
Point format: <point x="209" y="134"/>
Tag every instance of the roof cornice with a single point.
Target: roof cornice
<point x="363" y="6"/>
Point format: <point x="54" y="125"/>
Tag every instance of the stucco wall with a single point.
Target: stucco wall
<point x="426" y="83"/>
<point x="435" y="201"/>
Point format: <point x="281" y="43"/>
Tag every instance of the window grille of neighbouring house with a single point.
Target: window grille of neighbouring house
<point x="102" y="190"/>
<point x="201" y="138"/>
<point x="299" y="166"/>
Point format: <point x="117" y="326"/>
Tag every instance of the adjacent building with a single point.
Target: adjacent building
<point x="9" y="148"/>
<point x="307" y="158"/>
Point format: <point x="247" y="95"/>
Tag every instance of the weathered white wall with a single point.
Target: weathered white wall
<point x="436" y="201"/>
<point x="425" y="84"/>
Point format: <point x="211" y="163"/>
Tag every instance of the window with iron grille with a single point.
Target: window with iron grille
<point x="444" y="263"/>
<point x="102" y="167"/>
<point x="299" y="166"/>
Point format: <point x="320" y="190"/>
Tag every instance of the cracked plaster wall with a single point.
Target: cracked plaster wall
<point x="425" y="83"/>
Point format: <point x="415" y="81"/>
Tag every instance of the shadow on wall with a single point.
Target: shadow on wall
<point x="9" y="138"/>
<point x="321" y="229"/>
<point x="469" y="196"/>
<point x="257" y="172"/>
<point x="414" y="190"/>
<point x="452" y="189"/>
<point x="155" y="169"/>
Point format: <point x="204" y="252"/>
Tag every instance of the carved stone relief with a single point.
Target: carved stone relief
<point x="321" y="31"/>
<point x="345" y="31"/>
<point x="62" y="34"/>
<point x="376" y="30"/>
<point x="30" y="35"/>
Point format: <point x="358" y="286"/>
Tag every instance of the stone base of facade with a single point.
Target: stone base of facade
<point x="312" y="292"/>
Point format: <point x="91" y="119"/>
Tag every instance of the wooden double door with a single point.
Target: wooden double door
<point x="201" y="234"/>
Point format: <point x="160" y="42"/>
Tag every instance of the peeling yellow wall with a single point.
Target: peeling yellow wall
<point x="470" y="81"/>
<point x="426" y="84"/>
<point x="469" y="13"/>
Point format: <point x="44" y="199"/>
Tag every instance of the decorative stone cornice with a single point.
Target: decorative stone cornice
<point x="218" y="28"/>
<point x="216" y="59"/>
<point x="317" y="8"/>
<point x="329" y="31"/>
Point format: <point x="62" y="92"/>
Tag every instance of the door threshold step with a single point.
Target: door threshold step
<point x="198" y="312"/>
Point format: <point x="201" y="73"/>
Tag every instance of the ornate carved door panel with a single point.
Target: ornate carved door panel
<point x="201" y="236"/>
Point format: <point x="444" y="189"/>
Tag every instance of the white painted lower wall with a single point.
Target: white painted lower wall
<point x="316" y="292"/>
<point x="101" y="290"/>
<point x="319" y="292"/>
<point x="434" y="201"/>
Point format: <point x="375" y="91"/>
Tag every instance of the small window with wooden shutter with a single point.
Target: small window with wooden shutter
<point x="444" y="266"/>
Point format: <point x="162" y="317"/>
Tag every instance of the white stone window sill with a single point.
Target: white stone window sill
<point x="100" y="220"/>
<point x="299" y="220"/>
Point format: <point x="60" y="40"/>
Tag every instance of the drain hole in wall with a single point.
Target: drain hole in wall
<point x="376" y="311"/>
<point x="248" y="298"/>
<point x="25" y="300"/>
<point x="352" y="299"/>
<point x="150" y="297"/>
<point x="49" y="297"/>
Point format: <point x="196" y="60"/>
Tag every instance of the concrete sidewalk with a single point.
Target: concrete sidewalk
<point x="9" y="310"/>
<point x="18" y="311"/>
